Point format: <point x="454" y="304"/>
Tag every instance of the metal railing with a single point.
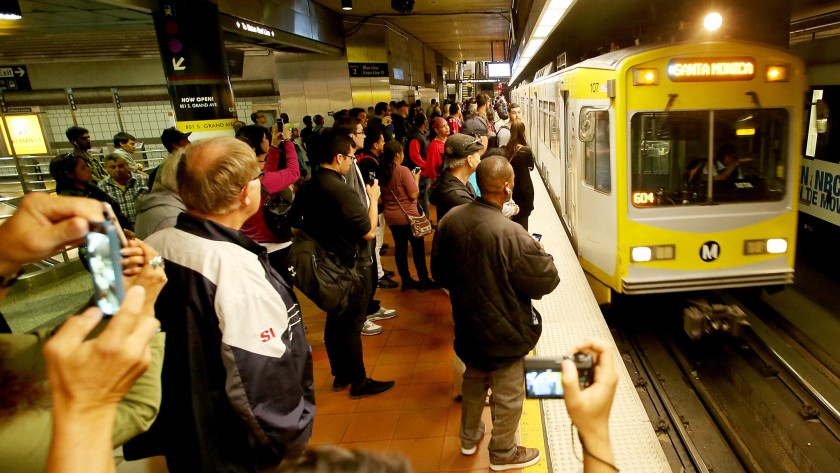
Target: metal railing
<point x="25" y="173"/>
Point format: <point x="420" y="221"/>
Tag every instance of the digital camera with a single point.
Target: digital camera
<point x="544" y="376"/>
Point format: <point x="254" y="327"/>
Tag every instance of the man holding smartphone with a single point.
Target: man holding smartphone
<point x="493" y="269"/>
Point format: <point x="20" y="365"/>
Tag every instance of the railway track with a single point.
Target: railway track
<point x="764" y="402"/>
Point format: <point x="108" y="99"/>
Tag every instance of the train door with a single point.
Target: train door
<point x="533" y="119"/>
<point x="570" y="154"/>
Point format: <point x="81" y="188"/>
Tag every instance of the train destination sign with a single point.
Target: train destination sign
<point x="698" y="69"/>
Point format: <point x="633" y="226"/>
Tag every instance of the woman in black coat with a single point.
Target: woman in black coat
<point x="522" y="160"/>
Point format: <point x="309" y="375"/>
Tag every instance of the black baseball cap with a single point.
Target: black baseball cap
<point x="460" y="146"/>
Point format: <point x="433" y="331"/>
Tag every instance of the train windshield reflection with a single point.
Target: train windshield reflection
<point x="672" y="153"/>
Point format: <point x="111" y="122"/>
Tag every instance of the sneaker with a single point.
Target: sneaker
<point x="471" y="450"/>
<point x="386" y="283"/>
<point x="524" y="457"/>
<point x="370" y="388"/>
<point x="382" y="314"/>
<point x="409" y="284"/>
<point x="340" y="384"/>
<point x="387" y="273"/>
<point x="371" y="328"/>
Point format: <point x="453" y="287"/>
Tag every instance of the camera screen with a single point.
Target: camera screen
<point x="106" y="287"/>
<point x="543" y="383"/>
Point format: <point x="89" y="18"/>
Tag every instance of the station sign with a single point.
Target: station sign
<point x="26" y="133"/>
<point x="697" y="69"/>
<point x="14" y="77"/>
<point x="368" y="69"/>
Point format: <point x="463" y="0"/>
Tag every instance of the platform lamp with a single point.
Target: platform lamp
<point x="10" y="10"/>
<point x="346" y="4"/>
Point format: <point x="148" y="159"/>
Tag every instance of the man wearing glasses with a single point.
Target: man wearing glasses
<point x="334" y="216"/>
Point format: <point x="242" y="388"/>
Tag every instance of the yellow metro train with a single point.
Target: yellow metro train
<point x="673" y="167"/>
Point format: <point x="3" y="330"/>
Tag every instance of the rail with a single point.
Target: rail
<point x="30" y="173"/>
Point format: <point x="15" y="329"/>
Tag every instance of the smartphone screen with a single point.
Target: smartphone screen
<point x="543" y="378"/>
<point x="279" y="123"/>
<point x="371" y="178"/>
<point x="105" y="263"/>
<point x="537" y="236"/>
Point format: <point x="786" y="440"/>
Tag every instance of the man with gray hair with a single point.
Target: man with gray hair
<point x="493" y="269"/>
<point x="123" y="185"/>
<point x="237" y="382"/>
<point x="462" y="154"/>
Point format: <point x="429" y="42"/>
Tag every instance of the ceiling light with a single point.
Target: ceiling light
<point x="713" y="21"/>
<point x="10" y="10"/>
<point x="346" y="4"/>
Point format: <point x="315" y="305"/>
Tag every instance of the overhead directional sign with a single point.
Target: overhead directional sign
<point x="14" y="77"/>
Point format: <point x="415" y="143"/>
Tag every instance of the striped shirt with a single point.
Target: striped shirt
<point x="127" y="196"/>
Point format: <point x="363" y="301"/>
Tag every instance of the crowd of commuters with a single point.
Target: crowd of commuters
<point x="235" y="392"/>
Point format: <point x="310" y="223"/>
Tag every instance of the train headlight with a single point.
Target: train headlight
<point x="645" y="76"/>
<point x="642" y="254"/>
<point x="776" y="74"/>
<point x="776" y="246"/>
<point x="771" y="246"/>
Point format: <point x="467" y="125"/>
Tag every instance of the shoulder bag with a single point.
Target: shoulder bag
<point x="420" y="226"/>
<point x="319" y="275"/>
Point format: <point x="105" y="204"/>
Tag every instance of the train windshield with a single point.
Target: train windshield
<point x="708" y="157"/>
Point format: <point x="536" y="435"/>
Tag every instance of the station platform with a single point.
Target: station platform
<point x="570" y="313"/>
<point x="420" y="419"/>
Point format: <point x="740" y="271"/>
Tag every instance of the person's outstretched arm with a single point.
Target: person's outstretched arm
<point x="589" y="408"/>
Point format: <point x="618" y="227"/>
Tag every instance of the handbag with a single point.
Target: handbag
<point x="420" y="226"/>
<point x="318" y="274"/>
<point x="275" y="213"/>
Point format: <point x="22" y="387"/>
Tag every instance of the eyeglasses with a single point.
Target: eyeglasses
<point x="358" y="133"/>
<point x="259" y="176"/>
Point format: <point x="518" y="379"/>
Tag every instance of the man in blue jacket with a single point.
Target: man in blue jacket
<point x="493" y="269"/>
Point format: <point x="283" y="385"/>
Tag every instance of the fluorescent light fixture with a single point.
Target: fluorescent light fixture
<point x="542" y="31"/>
<point x="532" y="48"/>
<point x="346" y="4"/>
<point x="10" y="10"/>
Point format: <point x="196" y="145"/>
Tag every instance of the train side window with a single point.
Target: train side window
<point x="594" y="131"/>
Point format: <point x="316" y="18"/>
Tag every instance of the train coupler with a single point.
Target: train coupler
<point x="703" y="318"/>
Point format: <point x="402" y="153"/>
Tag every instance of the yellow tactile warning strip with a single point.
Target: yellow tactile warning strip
<point x="531" y="433"/>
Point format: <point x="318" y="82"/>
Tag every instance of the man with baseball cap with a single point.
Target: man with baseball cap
<point x="461" y="156"/>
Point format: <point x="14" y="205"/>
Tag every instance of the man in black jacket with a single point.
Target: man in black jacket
<point x="462" y="154"/>
<point x="493" y="269"/>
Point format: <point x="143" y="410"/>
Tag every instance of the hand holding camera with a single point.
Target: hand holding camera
<point x="589" y="408"/>
<point x="544" y="376"/>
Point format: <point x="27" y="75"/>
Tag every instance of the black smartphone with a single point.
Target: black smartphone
<point x="280" y="123"/>
<point x="102" y="248"/>
<point x="371" y="178"/>
<point x="537" y="236"/>
<point x="417" y="170"/>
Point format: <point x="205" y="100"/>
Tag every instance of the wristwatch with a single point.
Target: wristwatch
<point x="8" y="280"/>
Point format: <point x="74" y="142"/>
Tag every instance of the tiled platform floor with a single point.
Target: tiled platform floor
<point x="419" y="418"/>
